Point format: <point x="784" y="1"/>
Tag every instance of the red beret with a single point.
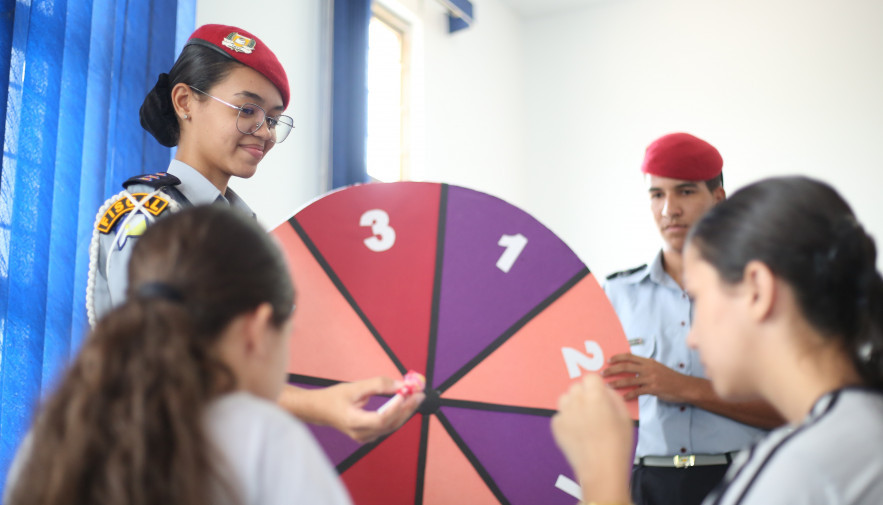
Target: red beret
<point x="245" y="48"/>
<point x="682" y="156"/>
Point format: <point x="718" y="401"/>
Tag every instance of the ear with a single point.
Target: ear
<point x="256" y="326"/>
<point x="182" y="98"/>
<point x="719" y="194"/>
<point x="760" y="284"/>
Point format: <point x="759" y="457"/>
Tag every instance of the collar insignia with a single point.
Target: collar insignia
<point x="239" y="43"/>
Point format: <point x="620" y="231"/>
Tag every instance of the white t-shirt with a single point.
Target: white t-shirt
<point x="833" y="457"/>
<point x="272" y="455"/>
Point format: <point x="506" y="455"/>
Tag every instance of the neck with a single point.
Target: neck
<point x="811" y="368"/>
<point x="673" y="263"/>
<point x="217" y="177"/>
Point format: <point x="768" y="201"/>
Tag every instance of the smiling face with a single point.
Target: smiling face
<point x="721" y="330"/>
<point x="210" y="140"/>
<point x="676" y="204"/>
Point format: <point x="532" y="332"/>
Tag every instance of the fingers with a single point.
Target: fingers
<point x="624" y="358"/>
<point x="374" y="386"/>
<point x="366" y="426"/>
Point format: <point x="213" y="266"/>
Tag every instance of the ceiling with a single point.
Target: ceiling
<point x="529" y="8"/>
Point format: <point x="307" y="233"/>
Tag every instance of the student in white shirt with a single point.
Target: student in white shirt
<point x="171" y="398"/>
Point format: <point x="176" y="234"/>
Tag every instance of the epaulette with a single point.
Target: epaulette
<point x="155" y="181"/>
<point x="625" y="273"/>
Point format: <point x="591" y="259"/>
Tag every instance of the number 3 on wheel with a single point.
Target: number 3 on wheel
<point x="384" y="237"/>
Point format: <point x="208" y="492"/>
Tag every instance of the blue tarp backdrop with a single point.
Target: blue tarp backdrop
<point x="72" y="78"/>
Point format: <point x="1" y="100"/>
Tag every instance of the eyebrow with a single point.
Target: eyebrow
<point x="683" y="185"/>
<point x="257" y="97"/>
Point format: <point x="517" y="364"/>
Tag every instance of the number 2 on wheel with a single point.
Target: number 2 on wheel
<point x="384" y="236"/>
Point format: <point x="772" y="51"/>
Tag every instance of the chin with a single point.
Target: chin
<point x="246" y="173"/>
<point x="732" y="391"/>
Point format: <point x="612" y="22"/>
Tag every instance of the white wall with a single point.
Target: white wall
<point x="475" y="129"/>
<point x="779" y="86"/>
<point x="553" y="112"/>
<point x="293" y="173"/>
<point x="469" y="99"/>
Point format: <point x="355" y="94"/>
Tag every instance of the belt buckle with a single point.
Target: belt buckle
<point x="685" y="461"/>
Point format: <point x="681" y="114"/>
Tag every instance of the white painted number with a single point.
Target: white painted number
<point x="514" y="244"/>
<point x="383" y="235"/>
<point x="592" y="361"/>
<point x="570" y="487"/>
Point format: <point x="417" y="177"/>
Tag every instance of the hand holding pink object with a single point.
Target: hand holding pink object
<point x="413" y="382"/>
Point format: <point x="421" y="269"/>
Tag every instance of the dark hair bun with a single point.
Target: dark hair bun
<point x="158" y="114"/>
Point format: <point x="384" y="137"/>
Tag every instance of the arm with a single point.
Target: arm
<point x="649" y="377"/>
<point x="593" y="430"/>
<point x="340" y="406"/>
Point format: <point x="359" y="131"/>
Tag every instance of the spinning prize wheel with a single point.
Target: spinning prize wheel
<point x="495" y="310"/>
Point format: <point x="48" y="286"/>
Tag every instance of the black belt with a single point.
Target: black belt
<point x="685" y="461"/>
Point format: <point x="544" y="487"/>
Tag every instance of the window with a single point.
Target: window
<point x="388" y="96"/>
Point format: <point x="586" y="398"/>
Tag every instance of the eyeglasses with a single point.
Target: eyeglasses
<point x="252" y="116"/>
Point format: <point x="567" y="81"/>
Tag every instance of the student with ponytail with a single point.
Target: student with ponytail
<point x="170" y="399"/>
<point x="788" y="307"/>
<point x="222" y="105"/>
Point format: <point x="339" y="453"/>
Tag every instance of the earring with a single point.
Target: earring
<point x="186" y="116"/>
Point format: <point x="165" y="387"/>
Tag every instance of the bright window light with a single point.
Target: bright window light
<point x="387" y="153"/>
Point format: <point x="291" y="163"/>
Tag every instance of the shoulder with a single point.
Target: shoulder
<point x="146" y="192"/>
<point x="156" y="180"/>
<point x="785" y="459"/>
<point x="625" y="275"/>
<point x="255" y="420"/>
<point x="272" y="454"/>
<point x="625" y="280"/>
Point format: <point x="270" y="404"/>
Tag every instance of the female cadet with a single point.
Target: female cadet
<point x="788" y="308"/>
<point x="170" y="399"/>
<point x="221" y="104"/>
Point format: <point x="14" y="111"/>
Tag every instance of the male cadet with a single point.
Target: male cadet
<point x="687" y="434"/>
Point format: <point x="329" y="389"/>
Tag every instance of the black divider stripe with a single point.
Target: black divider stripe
<point x="496" y="407"/>
<point x="345" y="292"/>
<point x="421" y="460"/>
<point x="310" y="380"/>
<point x="360" y="453"/>
<point x="436" y="283"/>
<point x="473" y="459"/>
<point x="512" y="330"/>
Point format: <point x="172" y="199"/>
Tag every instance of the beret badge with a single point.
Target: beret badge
<point x="239" y="43"/>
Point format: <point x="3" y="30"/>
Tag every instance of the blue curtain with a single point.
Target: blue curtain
<point x="349" y="109"/>
<point x="73" y="74"/>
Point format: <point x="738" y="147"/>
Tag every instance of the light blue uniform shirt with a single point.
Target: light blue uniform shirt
<point x="656" y="314"/>
<point x="110" y="252"/>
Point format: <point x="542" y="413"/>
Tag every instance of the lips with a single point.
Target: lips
<point x="255" y="150"/>
<point x="676" y="227"/>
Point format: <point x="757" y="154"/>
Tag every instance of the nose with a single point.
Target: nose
<point x="670" y="207"/>
<point x="264" y="132"/>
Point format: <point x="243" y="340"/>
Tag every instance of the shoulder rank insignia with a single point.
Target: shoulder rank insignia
<point x="625" y="273"/>
<point x="155" y="205"/>
<point x="157" y="180"/>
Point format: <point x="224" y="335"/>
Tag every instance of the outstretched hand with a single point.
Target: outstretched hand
<point x="341" y="406"/>
<point x="595" y="433"/>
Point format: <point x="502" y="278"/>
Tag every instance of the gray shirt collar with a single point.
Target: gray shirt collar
<point x="200" y="191"/>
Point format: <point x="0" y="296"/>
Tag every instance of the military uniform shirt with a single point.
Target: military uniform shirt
<point x="116" y="232"/>
<point x="832" y="458"/>
<point x="656" y="315"/>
